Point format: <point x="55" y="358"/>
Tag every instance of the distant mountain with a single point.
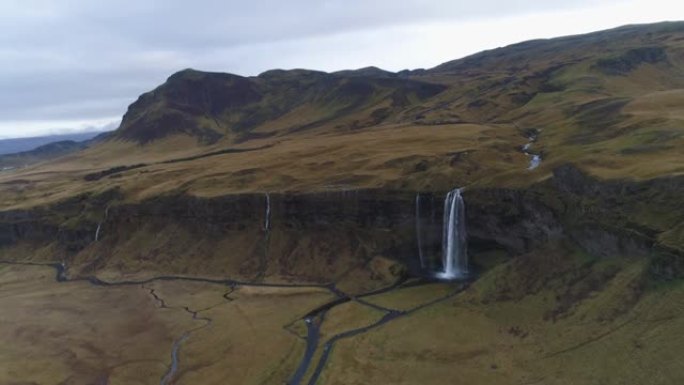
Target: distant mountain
<point x="57" y="145"/>
<point x="15" y="145"/>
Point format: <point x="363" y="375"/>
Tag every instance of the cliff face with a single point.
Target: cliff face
<point x="309" y="237"/>
<point x="318" y="236"/>
<point x="604" y="218"/>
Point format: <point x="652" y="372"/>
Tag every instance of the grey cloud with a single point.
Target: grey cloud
<point x="168" y="24"/>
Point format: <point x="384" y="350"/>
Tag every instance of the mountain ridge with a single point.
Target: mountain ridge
<point x="233" y="103"/>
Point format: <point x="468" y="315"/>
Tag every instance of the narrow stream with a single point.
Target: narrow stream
<point x="173" y="368"/>
<point x="328" y="346"/>
<point x="313" y="335"/>
<point x="315" y="318"/>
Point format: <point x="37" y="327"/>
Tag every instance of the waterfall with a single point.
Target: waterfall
<point x="454" y="247"/>
<point x="447" y="240"/>
<point x="99" y="225"/>
<point x="97" y="231"/>
<point x="267" y="218"/>
<point x="419" y="235"/>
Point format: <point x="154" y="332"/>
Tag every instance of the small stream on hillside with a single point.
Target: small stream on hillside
<point x="535" y="159"/>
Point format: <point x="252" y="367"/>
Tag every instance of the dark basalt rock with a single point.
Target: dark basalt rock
<point x="19" y="225"/>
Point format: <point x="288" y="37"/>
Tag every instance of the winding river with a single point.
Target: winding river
<point x="314" y="319"/>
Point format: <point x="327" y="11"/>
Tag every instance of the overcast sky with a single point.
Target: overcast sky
<point x="69" y="65"/>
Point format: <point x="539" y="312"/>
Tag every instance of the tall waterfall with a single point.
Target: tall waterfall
<point x="442" y="248"/>
<point x="454" y="247"/>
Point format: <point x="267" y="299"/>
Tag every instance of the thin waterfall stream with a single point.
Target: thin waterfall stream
<point x="99" y="225"/>
<point x="267" y="215"/>
<point x="419" y="235"/>
<point x="263" y="263"/>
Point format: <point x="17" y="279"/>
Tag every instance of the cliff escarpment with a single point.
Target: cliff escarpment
<point x="316" y="237"/>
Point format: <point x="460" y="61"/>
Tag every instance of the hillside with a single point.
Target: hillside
<point x="606" y="102"/>
<point x="287" y="227"/>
